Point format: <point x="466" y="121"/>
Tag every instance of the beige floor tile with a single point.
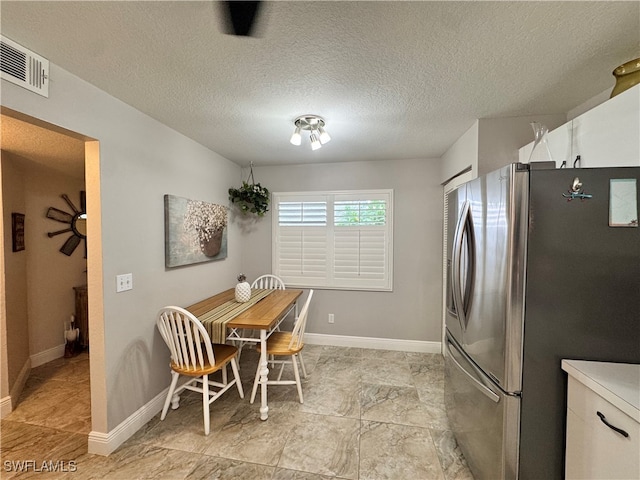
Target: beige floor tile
<point x="385" y="371"/>
<point x="247" y="438"/>
<point x="26" y="448"/>
<point x="224" y="469"/>
<point x="401" y="405"/>
<point x="324" y="445"/>
<point x="451" y="459"/>
<point x="389" y="451"/>
<point x="331" y="396"/>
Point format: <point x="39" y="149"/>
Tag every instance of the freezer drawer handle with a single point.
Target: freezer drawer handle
<point x="615" y="429"/>
<point x="483" y="388"/>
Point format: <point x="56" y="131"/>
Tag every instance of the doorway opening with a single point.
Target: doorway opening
<point x="41" y="164"/>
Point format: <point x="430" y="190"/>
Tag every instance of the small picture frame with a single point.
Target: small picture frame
<point x="623" y="202"/>
<point x="17" y="232"/>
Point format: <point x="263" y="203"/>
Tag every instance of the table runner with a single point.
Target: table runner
<point x="215" y="320"/>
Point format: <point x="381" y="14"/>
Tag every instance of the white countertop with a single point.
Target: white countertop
<point x="618" y="383"/>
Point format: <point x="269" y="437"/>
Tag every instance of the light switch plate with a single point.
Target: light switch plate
<point x="124" y="282"/>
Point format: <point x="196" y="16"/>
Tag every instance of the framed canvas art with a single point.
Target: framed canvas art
<point x="195" y="231"/>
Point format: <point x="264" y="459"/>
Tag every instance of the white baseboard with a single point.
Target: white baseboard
<point x="41" y="358"/>
<point x="377" y="343"/>
<point x="5" y="406"/>
<point x="105" y="443"/>
<point x="7" y="403"/>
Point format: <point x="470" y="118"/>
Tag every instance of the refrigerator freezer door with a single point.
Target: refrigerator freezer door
<point x="483" y="419"/>
<point x="493" y="333"/>
<point x="458" y="211"/>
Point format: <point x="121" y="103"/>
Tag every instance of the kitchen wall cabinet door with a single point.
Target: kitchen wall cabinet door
<point x="609" y="134"/>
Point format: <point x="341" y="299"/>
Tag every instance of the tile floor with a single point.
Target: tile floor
<point x="367" y="415"/>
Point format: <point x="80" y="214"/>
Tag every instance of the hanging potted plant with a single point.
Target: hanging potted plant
<point x="251" y="197"/>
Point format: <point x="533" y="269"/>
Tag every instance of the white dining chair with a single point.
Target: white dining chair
<point x="268" y="281"/>
<point x="273" y="282"/>
<point x="194" y="356"/>
<point x="284" y="348"/>
<point x="240" y="339"/>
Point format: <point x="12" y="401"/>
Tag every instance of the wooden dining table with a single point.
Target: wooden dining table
<point x="265" y="315"/>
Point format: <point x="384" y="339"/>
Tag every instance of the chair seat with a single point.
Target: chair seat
<point x="223" y="354"/>
<point x="278" y="344"/>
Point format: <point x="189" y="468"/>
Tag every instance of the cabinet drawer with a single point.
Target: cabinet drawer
<point x="594" y="450"/>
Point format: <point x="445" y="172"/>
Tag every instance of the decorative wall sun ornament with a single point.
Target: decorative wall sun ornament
<point x="77" y="222"/>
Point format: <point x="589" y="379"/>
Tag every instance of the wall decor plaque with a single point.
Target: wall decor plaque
<point x="17" y="232"/>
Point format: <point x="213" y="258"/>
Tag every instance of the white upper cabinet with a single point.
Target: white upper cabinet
<point x="605" y="136"/>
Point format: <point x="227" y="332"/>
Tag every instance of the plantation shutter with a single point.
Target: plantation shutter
<point x="301" y="243"/>
<point x="334" y="239"/>
<point x="360" y="240"/>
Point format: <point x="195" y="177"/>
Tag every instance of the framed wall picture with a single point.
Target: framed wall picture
<point x="195" y="231"/>
<point x="17" y="231"/>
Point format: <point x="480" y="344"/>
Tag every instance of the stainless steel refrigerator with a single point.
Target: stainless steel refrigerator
<point x="542" y="265"/>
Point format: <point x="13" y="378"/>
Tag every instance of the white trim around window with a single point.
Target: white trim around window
<point x="334" y="240"/>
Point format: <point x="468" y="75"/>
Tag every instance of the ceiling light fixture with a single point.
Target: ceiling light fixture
<point x="296" y="138"/>
<point x="315" y="125"/>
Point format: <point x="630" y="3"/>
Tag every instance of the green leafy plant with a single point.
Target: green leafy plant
<point x="251" y="198"/>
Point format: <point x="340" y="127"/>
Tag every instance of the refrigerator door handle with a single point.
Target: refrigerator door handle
<point x="462" y="302"/>
<point x="474" y="381"/>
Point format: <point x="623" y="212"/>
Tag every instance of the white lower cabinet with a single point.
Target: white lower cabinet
<point x="595" y="450"/>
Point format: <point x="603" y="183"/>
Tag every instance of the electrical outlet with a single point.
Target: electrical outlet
<point x="331" y="318"/>
<point x="124" y="282"/>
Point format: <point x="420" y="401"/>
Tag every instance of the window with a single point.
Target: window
<point x="341" y="240"/>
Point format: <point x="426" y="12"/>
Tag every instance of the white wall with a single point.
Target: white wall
<point x="461" y="156"/>
<point x="412" y="310"/>
<point x="140" y="160"/>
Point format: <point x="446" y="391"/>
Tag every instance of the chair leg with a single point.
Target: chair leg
<point x="172" y="387"/>
<point x="304" y="371"/>
<point x="255" y="384"/>
<point x="225" y="379"/>
<point x="205" y="402"/>
<point x="236" y="374"/>
<point x="297" y="375"/>
<point x="282" y="365"/>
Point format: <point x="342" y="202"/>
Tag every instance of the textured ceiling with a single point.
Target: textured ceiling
<point x="393" y="79"/>
<point x="32" y="143"/>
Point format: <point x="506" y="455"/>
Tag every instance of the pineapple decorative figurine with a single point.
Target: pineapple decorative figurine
<point x="243" y="289"/>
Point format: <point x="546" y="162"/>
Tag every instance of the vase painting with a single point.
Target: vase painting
<point x="195" y="231"/>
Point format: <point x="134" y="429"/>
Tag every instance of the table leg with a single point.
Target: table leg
<point x="264" y="375"/>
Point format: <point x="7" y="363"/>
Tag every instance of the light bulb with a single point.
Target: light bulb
<point x="296" y="138"/>
<point x="324" y="136"/>
<point x="315" y="143"/>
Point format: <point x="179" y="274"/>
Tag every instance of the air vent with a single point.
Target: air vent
<point x="23" y="67"/>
